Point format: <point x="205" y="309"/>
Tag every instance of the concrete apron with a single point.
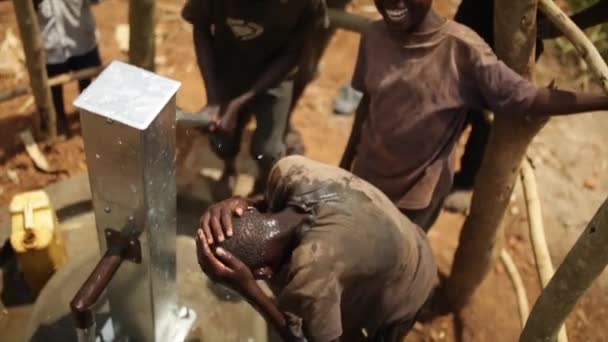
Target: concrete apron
<point x="221" y="314"/>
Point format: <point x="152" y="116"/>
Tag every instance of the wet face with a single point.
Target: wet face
<point x="403" y="15"/>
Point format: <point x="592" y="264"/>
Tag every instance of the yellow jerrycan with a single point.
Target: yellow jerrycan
<point x="35" y="237"/>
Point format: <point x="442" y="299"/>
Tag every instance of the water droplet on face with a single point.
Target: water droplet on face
<point x="119" y="142"/>
<point x="107" y="210"/>
<point x="260" y="156"/>
<point x="97" y="155"/>
<point x="131" y="218"/>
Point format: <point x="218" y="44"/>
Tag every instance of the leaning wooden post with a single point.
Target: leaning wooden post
<point x="35" y="58"/>
<point x="480" y="239"/>
<point x="142" y="43"/>
<point x="583" y="264"/>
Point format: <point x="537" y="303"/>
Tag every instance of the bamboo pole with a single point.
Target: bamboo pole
<point x="518" y="284"/>
<point x="577" y="37"/>
<point x="142" y="43"/>
<point x="544" y="266"/>
<point x="481" y="237"/>
<point x="57" y="80"/>
<point x="583" y="264"/>
<point x="46" y="122"/>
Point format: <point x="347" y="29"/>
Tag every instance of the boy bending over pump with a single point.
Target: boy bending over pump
<point x="343" y="262"/>
<point x="420" y="74"/>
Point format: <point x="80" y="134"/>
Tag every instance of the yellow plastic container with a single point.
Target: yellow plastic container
<point x="35" y="237"/>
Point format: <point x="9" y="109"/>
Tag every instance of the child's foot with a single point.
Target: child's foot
<point x="459" y="201"/>
<point x="224" y="187"/>
<point x="347" y="100"/>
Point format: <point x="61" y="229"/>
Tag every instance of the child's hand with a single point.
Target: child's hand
<point x="222" y="266"/>
<point x="230" y="115"/>
<point x="230" y="112"/>
<point x="211" y="111"/>
<point x="216" y="222"/>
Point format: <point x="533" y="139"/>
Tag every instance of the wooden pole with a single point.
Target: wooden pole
<point x="481" y="236"/>
<point x="142" y="43"/>
<point x="544" y="266"/>
<point x="35" y="58"/>
<point x="583" y="264"/>
<point x="57" y="80"/>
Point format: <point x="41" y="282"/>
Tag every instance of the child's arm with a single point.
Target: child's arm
<point x="355" y="135"/>
<point x="216" y="222"/>
<point x="224" y="267"/>
<point x="198" y="13"/>
<point x="503" y="91"/>
<point x="206" y="63"/>
<point x="269" y="309"/>
<point x="286" y="62"/>
<point x="559" y="102"/>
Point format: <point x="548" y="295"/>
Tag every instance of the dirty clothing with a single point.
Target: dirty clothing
<point x="361" y="269"/>
<point x="421" y="88"/>
<point x="246" y="39"/>
<point x="68" y="28"/>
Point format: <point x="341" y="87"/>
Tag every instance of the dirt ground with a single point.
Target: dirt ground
<point x="572" y="190"/>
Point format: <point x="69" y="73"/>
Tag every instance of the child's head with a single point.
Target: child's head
<point x="403" y="15"/>
<point x="261" y="241"/>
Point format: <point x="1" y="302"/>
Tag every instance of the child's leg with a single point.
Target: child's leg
<point x="227" y="147"/>
<point x="473" y="151"/>
<point x="268" y="143"/>
<point x="57" y="94"/>
<point x="308" y="71"/>
<point x="88" y="60"/>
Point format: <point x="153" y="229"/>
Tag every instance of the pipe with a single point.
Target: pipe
<point x="339" y="18"/>
<point x="82" y="304"/>
<point x="520" y="290"/>
<point x="197" y="120"/>
<point x="544" y="266"/>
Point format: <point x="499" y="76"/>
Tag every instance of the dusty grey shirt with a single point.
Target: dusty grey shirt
<point x="360" y="264"/>
<point x="68" y="28"/>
